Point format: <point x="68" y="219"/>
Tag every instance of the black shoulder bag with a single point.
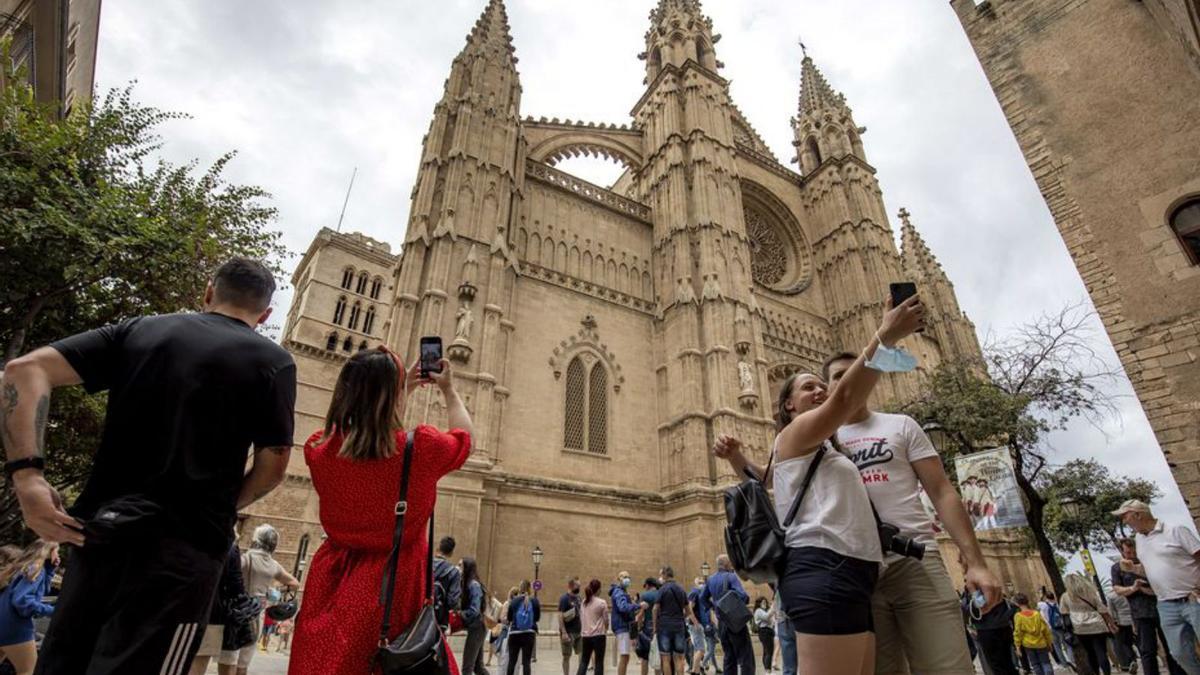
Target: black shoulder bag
<point x="754" y="538"/>
<point x="421" y="649"/>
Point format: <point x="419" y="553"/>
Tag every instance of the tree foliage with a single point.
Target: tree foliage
<point x="94" y="228"/>
<point x="1098" y="493"/>
<point x="1035" y="382"/>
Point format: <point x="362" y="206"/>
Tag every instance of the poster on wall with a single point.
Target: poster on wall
<point x="989" y="489"/>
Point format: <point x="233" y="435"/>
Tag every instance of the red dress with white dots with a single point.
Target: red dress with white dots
<point x="337" y="629"/>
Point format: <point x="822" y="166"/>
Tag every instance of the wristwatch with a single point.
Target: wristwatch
<point x="24" y="463"/>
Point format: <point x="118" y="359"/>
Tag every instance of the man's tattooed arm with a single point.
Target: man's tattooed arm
<point x="39" y="424"/>
<point x="9" y="398"/>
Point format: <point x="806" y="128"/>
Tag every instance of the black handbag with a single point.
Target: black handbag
<point x="284" y="609"/>
<point x="732" y="612"/>
<point x="754" y="538"/>
<point x="241" y="622"/>
<point x="421" y="648"/>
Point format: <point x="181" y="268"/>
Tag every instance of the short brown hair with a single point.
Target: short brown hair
<point x="1021" y="599"/>
<point x="839" y="356"/>
<point x="244" y="283"/>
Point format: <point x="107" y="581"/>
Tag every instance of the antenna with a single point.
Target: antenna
<point x="347" y="200"/>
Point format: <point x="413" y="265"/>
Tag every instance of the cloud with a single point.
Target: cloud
<point x="307" y="90"/>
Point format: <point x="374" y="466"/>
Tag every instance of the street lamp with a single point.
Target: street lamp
<point x="704" y="569"/>
<point x="537" y="564"/>
<point x="1072" y="507"/>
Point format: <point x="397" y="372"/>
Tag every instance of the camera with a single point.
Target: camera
<point x="892" y="541"/>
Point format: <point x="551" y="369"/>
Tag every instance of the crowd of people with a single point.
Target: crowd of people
<point x="154" y="581"/>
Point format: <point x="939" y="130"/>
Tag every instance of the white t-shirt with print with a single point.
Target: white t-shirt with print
<point x="883" y="447"/>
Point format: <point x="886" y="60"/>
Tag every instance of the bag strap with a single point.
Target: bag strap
<point x="808" y="478"/>
<point x="389" y="574"/>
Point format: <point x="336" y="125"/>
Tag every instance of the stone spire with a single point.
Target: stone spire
<point x="914" y="252"/>
<point x="490" y="34"/>
<point x="679" y="32"/>
<point x="824" y="128"/>
<point x="815" y="92"/>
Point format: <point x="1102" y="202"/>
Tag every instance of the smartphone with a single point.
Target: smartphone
<point x="902" y="291"/>
<point x="431" y="356"/>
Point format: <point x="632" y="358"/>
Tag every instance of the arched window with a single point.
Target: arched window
<point x="376" y="286"/>
<point x="347" y="277"/>
<point x="369" y="320"/>
<point x="339" y="310"/>
<point x="811" y="146"/>
<point x="362" y="345"/>
<point x="362" y="283"/>
<point x="331" y="343"/>
<point x="585" y="426"/>
<point x="347" y="345"/>
<point x="354" y="312"/>
<point x="1186" y="224"/>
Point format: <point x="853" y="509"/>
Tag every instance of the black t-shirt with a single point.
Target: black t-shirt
<point x="1141" y="605"/>
<point x="672" y="604"/>
<point x="188" y="394"/>
<point x="567" y="601"/>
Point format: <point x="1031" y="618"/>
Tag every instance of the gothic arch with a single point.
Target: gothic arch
<point x="775" y="233"/>
<point x="587" y="340"/>
<point x="588" y="143"/>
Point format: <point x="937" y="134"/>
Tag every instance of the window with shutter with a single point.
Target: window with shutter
<point x="573" y="438"/>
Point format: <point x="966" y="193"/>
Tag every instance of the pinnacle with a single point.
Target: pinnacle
<point x="664" y="8"/>
<point x="815" y="92"/>
<point x="491" y="28"/>
<point x="913" y="249"/>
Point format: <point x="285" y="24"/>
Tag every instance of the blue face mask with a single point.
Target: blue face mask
<point x="891" y="360"/>
<point x="625" y="582"/>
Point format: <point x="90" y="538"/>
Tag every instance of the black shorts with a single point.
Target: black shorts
<point x="827" y="593"/>
<point x="132" y="608"/>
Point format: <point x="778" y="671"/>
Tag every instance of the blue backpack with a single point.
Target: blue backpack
<point x="524" y="616"/>
<point x="1056" y="618"/>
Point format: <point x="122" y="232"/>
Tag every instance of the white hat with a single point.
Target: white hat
<point x="1132" y="506"/>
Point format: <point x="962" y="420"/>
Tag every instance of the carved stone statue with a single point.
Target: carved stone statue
<point x="464" y="321"/>
<point x="746" y="377"/>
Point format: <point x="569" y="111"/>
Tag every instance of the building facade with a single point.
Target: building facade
<point x="54" y="43"/>
<point x="1103" y="97"/>
<point x="603" y="337"/>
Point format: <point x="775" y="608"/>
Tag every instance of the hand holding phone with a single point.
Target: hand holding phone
<point x="901" y="291"/>
<point x="431" y="356"/>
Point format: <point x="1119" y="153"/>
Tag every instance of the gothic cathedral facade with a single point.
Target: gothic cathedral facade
<point x="603" y="337"/>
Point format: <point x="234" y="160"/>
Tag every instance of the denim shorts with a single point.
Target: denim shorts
<point x="672" y="641"/>
<point x="827" y="593"/>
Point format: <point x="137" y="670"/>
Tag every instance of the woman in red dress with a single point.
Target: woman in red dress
<point x="355" y="463"/>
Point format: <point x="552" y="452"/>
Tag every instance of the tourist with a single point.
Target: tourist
<point x="524" y="612"/>
<point x="624" y="612"/>
<point x="229" y="589"/>
<point x="569" y="625"/>
<point x="25" y="578"/>
<point x="285" y="635"/>
<point x="702" y="610"/>
<point x="993" y="635"/>
<point x="696" y="629"/>
<point x="356" y="462"/>
<point x="1058" y="629"/>
<point x="1168" y="558"/>
<point x="447" y="583"/>
<point x="671" y="616"/>
<point x="593" y="614"/>
<point x="1031" y="635"/>
<point x="260" y="573"/>
<point x="1122" y="613"/>
<point x="1089" y="621"/>
<point x="474" y="601"/>
<point x="785" y="635"/>
<point x="765" y="623"/>
<point x="834" y="552"/>
<point x="492" y="620"/>
<point x="502" y="638"/>
<point x="915" y="604"/>
<point x="188" y="394"/>
<point x="1129" y="580"/>
<point x="737" y="651"/>
<point x="647" y="647"/>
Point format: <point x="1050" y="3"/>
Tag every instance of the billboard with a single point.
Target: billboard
<point x="989" y="489"/>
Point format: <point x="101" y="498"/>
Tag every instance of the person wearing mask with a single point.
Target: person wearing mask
<point x="1031" y="636"/>
<point x="569" y="625"/>
<point x="833" y="547"/>
<point x="593" y="614"/>
<point x="1090" y="621"/>
<point x="524" y="612"/>
<point x="474" y="601"/>
<point x="356" y="462"/>
<point x="260" y="573"/>
<point x="1170" y="557"/>
<point x="26" y="580"/>
<point x="915" y="604"/>
<point x="738" y="652"/>
<point x="672" y="613"/>
<point x="447" y="583"/>
<point x="1058" y="629"/>
<point x="188" y="394"/>
<point x="647" y="650"/>
<point x="700" y="631"/>
<point x="765" y="624"/>
<point x="993" y="635"/>
<point x="1119" y="609"/>
<point x="1129" y="581"/>
<point x="624" y="611"/>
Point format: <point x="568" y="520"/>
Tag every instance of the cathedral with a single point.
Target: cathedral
<point x="602" y="337"/>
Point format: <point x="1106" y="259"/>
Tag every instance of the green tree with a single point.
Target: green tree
<point x="95" y="229"/>
<point x="1037" y="381"/>
<point x="1098" y="493"/>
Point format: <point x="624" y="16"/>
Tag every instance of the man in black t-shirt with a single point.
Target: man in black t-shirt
<point x="1129" y="581"/>
<point x="188" y="395"/>
<point x="570" y="625"/>
<point x="672" y="613"/>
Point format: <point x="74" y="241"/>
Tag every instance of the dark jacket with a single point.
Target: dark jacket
<point x="449" y="577"/>
<point x="623" y="609"/>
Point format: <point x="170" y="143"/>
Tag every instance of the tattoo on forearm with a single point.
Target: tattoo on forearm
<point x="39" y="424"/>
<point x="8" y="404"/>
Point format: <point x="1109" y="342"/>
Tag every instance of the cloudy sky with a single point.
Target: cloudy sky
<point x="307" y="90"/>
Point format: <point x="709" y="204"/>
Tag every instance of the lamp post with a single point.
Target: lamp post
<point x="537" y="565"/>
<point x="1071" y="508"/>
<point x="704" y="570"/>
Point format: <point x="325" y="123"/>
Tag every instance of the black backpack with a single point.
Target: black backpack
<point x="754" y="538"/>
<point x="443" y="578"/>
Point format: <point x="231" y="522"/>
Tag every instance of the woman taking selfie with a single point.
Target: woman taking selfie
<point x="26" y="580"/>
<point x="356" y="463"/>
<point x="833" y="550"/>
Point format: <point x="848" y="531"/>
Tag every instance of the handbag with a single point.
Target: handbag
<point x="421" y="648"/>
<point x="1109" y="622"/>
<point x="754" y="538"/>
<point x="732" y="611"/>
<point x="285" y="609"/>
<point x="241" y="622"/>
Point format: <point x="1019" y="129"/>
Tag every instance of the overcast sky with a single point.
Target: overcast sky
<point x="306" y="90"/>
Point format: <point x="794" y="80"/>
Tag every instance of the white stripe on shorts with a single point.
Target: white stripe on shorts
<point x="174" y="663"/>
